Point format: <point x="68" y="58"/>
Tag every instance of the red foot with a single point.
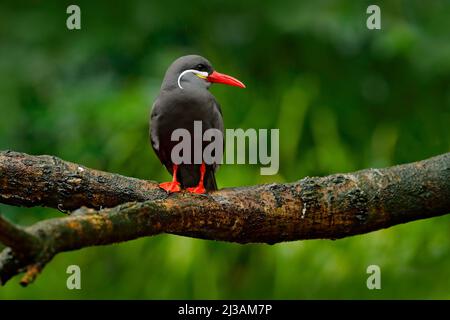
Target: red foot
<point x="170" y="187"/>
<point x="197" y="189"/>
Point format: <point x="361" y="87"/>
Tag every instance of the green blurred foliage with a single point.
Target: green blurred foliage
<point x="344" y="98"/>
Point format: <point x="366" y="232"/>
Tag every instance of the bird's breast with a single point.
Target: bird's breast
<point x="181" y="112"/>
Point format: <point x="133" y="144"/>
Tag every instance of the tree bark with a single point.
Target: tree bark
<point x="51" y="182"/>
<point x="328" y="207"/>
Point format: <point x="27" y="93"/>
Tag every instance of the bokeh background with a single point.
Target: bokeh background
<point x="344" y="97"/>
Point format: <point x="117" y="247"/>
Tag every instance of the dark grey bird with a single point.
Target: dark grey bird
<point x="184" y="98"/>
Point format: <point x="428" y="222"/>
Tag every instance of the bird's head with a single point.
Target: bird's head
<point x="197" y="71"/>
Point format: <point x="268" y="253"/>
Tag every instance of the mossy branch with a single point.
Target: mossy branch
<point x="328" y="207"/>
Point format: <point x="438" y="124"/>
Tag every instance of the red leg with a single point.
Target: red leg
<point x="173" y="186"/>
<point x="199" y="188"/>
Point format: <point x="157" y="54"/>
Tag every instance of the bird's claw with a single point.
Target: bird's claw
<point x="170" y="187"/>
<point x="197" y="189"/>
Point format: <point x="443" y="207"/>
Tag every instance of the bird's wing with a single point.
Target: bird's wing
<point x="218" y="124"/>
<point x="154" y="136"/>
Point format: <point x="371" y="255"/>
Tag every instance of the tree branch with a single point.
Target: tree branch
<point x="51" y="182"/>
<point x="329" y="207"/>
<point x="17" y="238"/>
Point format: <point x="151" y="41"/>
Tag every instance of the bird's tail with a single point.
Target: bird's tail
<point x="189" y="176"/>
<point x="210" y="180"/>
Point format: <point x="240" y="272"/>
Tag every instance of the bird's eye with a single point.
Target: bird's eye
<point x="200" y="67"/>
